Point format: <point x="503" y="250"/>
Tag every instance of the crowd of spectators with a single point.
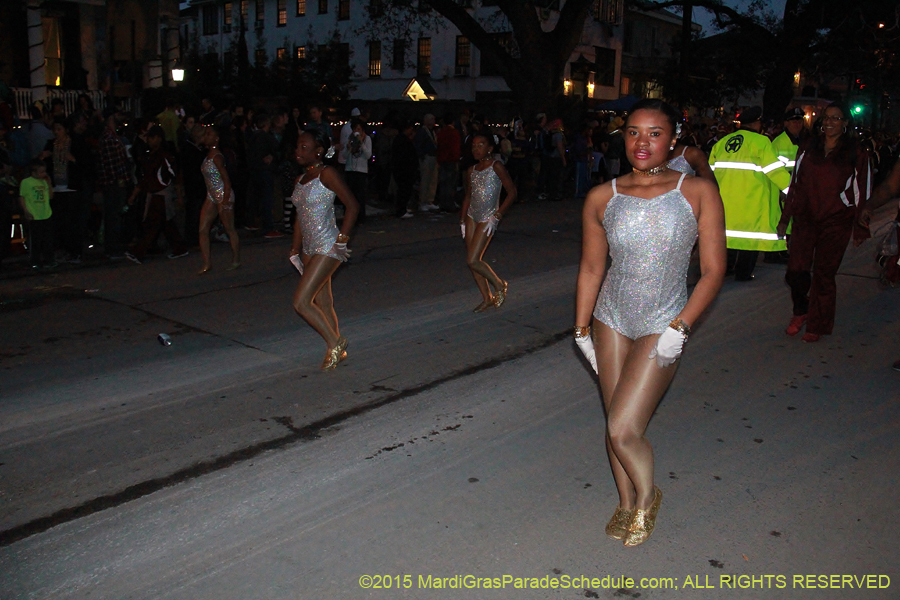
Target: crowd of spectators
<point x="104" y="167"/>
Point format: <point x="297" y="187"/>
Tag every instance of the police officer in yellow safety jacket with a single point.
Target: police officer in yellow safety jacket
<point x="786" y="144"/>
<point x="751" y="181"/>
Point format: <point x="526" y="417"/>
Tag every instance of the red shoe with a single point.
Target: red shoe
<point x="273" y="235"/>
<point x="795" y="325"/>
<point x="809" y="338"/>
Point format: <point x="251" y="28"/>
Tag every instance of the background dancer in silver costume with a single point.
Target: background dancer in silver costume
<point x="480" y="216"/>
<point x="690" y="160"/>
<point x="219" y="200"/>
<point x="647" y="222"/>
<point x="318" y="247"/>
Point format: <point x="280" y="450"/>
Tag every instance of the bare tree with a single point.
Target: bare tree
<point x="532" y="66"/>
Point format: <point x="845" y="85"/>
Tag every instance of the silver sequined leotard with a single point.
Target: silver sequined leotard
<point x="215" y="187"/>
<point x="680" y="164"/>
<point x="650" y="243"/>
<point x="484" y="197"/>
<point x="315" y="209"/>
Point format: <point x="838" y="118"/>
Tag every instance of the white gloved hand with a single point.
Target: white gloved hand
<point x="586" y="345"/>
<point x="492" y="225"/>
<point x="343" y="253"/>
<point x="668" y="347"/>
<point x="298" y="264"/>
<point x="462" y="228"/>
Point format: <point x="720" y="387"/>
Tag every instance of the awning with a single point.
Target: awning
<point x="420" y="89"/>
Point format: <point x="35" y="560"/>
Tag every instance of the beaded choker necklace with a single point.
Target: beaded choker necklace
<point x="653" y="171"/>
<point x="315" y="166"/>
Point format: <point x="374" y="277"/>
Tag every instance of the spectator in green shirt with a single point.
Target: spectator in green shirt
<point x="35" y="193"/>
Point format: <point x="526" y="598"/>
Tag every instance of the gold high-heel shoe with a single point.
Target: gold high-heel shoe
<point x="500" y="295"/>
<point x="335" y="355"/>
<point x="484" y="306"/>
<point x="617" y="528"/>
<point x="643" y="521"/>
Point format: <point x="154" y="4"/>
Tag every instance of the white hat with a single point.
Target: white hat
<point x="354" y="112"/>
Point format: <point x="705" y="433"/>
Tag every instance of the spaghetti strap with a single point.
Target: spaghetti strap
<point x="615" y="191"/>
<point x="680" y="179"/>
<point x="683" y="150"/>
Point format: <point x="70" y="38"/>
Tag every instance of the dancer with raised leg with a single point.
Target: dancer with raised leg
<point x="219" y="199"/>
<point x="318" y="247"/>
<point x="480" y="216"/>
<point x="647" y="222"/>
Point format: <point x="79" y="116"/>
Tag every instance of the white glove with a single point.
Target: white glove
<point x="586" y="345"/>
<point x="462" y="228"/>
<point x="492" y="225"/>
<point x="343" y="253"/>
<point x="298" y="264"/>
<point x="668" y="347"/>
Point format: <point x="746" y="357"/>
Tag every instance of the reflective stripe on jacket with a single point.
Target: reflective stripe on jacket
<point x="750" y="177"/>
<point x="785" y="150"/>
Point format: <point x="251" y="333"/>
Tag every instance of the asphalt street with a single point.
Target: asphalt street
<point x="448" y="444"/>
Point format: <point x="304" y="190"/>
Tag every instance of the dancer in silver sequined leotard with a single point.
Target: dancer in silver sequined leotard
<point x="315" y="213"/>
<point x="681" y="164"/>
<point x="646" y="222"/>
<point x="481" y="214"/>
<point x="318" y="247"/>
<point x="650" y="243"/>
<point x="484" y="199"/>
<point x="215" y="184"/>
<point x="219" y="200"/>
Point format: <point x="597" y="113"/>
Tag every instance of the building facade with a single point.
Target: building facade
<point x="431" y="60"/>
<point x="650" y="42"/>
<point x="61" y="48"/>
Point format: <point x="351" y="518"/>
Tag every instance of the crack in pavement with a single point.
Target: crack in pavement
<point x="213" y="291"/>
<point x="303" y="434"/>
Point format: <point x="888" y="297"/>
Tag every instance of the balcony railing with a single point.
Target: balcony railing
<point x="25" y="98"/>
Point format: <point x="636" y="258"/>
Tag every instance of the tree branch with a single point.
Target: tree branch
<point x="714" y="6"/>
<point x="473" y="30"/>
<point x="570" y="26"/>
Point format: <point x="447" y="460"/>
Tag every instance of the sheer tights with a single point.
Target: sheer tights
<point x="208" y="214"/>
<point x="476" y="243"/>
<point x="313" y="299"/>
<point x="632" y="386"/>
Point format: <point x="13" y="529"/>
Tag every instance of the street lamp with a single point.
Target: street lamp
<point x="177" y="74"/>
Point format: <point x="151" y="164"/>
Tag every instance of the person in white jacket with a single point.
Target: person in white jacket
<point x="358" y="152"/>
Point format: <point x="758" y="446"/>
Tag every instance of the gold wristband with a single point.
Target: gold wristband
<point x="681" y="327"/>
<point x="343" y="239"/>
<point x="581" y="332"/>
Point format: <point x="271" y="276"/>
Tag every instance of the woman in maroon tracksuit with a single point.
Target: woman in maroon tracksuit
<point x="831" y="183"/>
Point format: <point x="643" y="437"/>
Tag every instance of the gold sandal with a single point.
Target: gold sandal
<point x="335" y="355"/>
<point x="617" y="528"/>
<point x="483" y="306"/>
<point x="500" y="296"/>
<point x="643" y="521"/>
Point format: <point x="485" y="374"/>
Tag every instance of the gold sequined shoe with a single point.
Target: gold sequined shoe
<point x="617" y="528"/>
<point x="643" y="521"/>
<point x="335" y="355"/>
<point x="500" y="296"/>
<point x="484" y="306"/>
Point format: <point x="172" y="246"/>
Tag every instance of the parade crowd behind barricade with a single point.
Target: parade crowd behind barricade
<point x="111" y="198"/>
